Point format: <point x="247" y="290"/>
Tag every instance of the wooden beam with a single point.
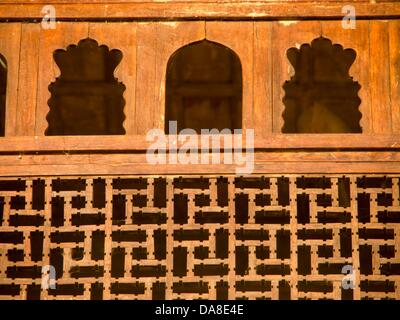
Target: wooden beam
<point x="195" y="10"/>
<point x="118" y="164"/>
<point x="139" y="143"/>
<point x="260" y="158"/>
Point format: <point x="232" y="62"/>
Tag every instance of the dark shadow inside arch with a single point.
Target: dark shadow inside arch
<point x="3" y="90"/>
<point x="204" y="88"/>
<point x="86" y="99"/>
<point x="321" y="97"/>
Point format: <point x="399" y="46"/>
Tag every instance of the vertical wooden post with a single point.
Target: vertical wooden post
<point x="379" y="77"/>
<point x="10" y="41"/>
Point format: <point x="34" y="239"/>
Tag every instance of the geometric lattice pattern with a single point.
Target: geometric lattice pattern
<point x="200" y="237"/>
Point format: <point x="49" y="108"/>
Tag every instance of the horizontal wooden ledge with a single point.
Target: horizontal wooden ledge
<point x="212" y="1"/>
<point x="138" y="143"/>
<point x="152" y="170"/>
<point x="140" y="159"/>
<point x="191" y="9"/>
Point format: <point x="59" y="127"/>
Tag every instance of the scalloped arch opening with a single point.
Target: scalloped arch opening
<point x="3" y="92"/>
<point x="86" y="99"/>
<point x="321" y="97"/>
<point x="204" y="87"/>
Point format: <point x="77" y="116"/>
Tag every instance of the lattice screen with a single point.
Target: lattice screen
<point x="209" y="237"/>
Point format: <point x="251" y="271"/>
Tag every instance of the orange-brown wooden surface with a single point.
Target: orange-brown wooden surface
<point x="10" y="41"/>
<point x="118" y="164"/>
<point x="145" y="76"/>
<point x="379" y="77"/>
<point x="186" y="9"/>
<point x="28" y="80"/>
<point x="138" y="142"/>
<point x="263" y="79"/>
<point x="394" y="48"/>
<point x="147" y="47"/>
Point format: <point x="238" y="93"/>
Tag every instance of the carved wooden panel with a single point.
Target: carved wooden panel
<point x="206" y="237"/>
<point x="147" y="46"/>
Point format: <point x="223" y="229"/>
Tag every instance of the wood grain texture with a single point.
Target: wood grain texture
<point x="146" y="48"/>
<point x="287" y="35"/>
<point x="139" y="143"/>
<point x="238" y="36"/>
<point x="138" y="168"/>
<point x="211" y="1"/>
<point x="263" y="79"/>
<point x="121" y="36"/>
<point x="208" y="9"/>
<point x="10" y="40"/>
<point x="28" y="79"/>
<point x="380" y="77"/>
<point x="358" y="40"/>
<point x="377" y="71"/>
<point x="114" y="159"/>
<point x="65" y="34"/>
<point x="394" y="56"/>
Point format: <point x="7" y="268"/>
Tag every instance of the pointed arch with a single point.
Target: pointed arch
<point x="204" y="87"/>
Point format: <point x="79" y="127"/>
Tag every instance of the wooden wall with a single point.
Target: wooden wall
<point x="147" y="46"/>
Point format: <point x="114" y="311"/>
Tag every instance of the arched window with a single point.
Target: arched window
<point x="204" y="87"/>
<point x="3" y="88"/>
<point x="86" y="99"/>
<point x="321" y="97"/>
